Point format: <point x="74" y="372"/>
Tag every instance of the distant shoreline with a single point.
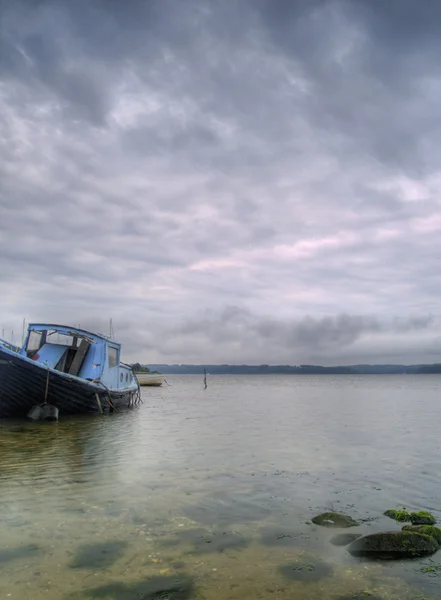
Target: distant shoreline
<point x="364" y="369"/>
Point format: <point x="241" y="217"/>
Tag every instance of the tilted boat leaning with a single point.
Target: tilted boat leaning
<point x="64" y="369"/>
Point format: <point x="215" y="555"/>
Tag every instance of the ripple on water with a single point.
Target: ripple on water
<point x="204" y="541"/>
<point x="227" y="510"/>
<point x="314" y="570"/>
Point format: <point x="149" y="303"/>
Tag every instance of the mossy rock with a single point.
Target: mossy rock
<point x="402" y="516"/>
<point x="394" y="545"/>
<point x="344" y="539"/>
<point x="422" y="518"/>
<point x="337" y="520"/>
<point x="434" y="532"/>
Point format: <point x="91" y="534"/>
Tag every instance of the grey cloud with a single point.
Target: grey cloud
<point x="369" y="65"/>
<point x="278" y="157"/>
<point x="243" y="336"/>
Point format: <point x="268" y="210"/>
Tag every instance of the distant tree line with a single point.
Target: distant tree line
<point x="290" y="369"/>
<point x="140" y="368"/>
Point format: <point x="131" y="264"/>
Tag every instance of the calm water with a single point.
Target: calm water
<point x="206" y="493"/>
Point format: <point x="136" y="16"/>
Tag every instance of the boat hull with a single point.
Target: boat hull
<point x="23" y="384"/>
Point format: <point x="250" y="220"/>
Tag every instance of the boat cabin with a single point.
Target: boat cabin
<point x="77" y="353"/>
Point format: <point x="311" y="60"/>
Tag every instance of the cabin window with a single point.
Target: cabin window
<point x="34" y="341"/>
<point x="127" y="377"/>
<point x="54" y="337"/>
<point x="113" y="357"/>
<point x="121" y="377"/>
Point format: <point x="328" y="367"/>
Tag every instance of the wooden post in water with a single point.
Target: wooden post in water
<point x="205" y="379"/>
<point x="47" y="387"/>
<point x="98" y="401"/>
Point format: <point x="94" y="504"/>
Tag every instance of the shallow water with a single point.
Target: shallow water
<point x="206" y="493"/>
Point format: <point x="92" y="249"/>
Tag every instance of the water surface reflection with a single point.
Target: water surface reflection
<point x="206" y="493"/>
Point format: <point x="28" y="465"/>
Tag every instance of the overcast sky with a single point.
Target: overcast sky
<point x="243" y="181"/>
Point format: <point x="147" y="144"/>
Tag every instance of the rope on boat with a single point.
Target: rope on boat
<point x="107" y="398"/>
<point x="135" y="397"/>
<point x="110" y="403"/>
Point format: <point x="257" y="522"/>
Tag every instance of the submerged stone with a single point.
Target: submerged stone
<point x="331" y="519"/>
<point x="155" y="588"/>
<point x="344" y="539"/>
<point x="10" y="554"/>
<point x="422" y="518"/>
<point x="364" y="595"/>
<point x="434" y="532"/>
<point x="394" y="545"/>
<point x="96" y="556"/>
<point x="308" y="572"/>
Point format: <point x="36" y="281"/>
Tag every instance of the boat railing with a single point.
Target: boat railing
<point x="9" y="346"/>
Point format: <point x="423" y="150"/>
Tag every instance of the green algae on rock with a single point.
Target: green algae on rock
<point x="394" y="545"/>
<point x="422" y="518"/>
<point x="434" y="532"/>
<point x="331" y="519"/>
<point x="416" y="518"/>
<point x="402" y="516"/>
<point x="344" y="539"/>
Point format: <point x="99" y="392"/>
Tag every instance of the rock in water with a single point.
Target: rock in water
<point x="343" y="539"/>
<point x="422" y="518"/>
<point x="49" y="413"/>
<point x="434" y="532"/>
<point x="337" y="520"/>
<point x="398" y="515"/>
<point x="36" y="413"/>
<point x="394" y="545"/>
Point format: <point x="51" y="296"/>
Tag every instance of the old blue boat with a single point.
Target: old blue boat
<point x="64" y="370"/>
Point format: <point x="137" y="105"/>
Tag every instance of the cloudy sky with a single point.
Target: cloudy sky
<point x="238" y="181"/>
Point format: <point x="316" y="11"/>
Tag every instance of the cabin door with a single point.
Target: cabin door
<point x="112" y="376"/>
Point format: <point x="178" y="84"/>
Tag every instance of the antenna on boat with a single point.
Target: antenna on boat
<point x="111" y="330"/>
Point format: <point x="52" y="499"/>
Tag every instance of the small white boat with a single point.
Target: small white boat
<point x="150" y="378"/>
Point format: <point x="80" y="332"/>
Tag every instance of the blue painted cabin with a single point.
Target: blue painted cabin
<point x="73" y="369"/>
